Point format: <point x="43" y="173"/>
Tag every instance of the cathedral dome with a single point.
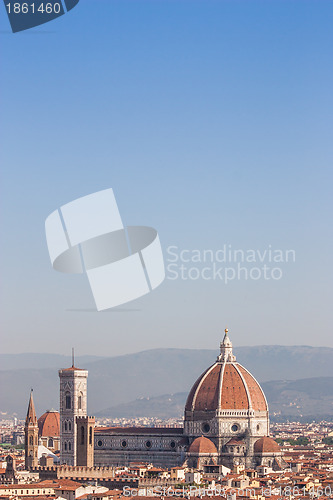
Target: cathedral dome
<point x="202" y="445"/>
<point x="266" y="445"/>
<point x="49" y="424"/>
<point x="226" y="385"/>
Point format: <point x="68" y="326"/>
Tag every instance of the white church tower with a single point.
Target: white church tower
<point x="73" y="403"/>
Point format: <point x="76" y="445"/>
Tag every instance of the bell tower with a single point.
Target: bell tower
<point x="73" y="403"/>
<point x="31" y="436"/>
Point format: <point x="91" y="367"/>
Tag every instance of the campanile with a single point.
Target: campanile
<point x="73" y="403"/>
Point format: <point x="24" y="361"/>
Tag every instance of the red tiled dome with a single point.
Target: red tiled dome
<point x="266" y="445"/>
<point x="49" y="424"/>
<point x="202" y="445"/>
<point x="226" y="386"/>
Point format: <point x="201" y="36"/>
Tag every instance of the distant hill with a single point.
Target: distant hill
<point x="165" y="406"/>
<point x="300" y="398"/>
<point x="286" y="399"/>
<point x="122" y="379"/>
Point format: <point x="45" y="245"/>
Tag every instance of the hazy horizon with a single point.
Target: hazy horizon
<point x="96" y="355"/>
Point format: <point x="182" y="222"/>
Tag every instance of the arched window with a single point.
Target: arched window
<point x="65" y="426"/>
<point x="79" y="401"/>
<point x="82" y="434"/>
<point x="69" y="426"/>
<point x="69" y="446"/>
<point x="68" y="402"/>
<point x="50" y="443"/>
<point x="65" y="446"/>
<point x="90" y="435"/>
<point x="31" y="440"/>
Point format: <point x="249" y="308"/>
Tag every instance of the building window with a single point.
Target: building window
<point x="65" y="425"/>
<point x="258" y="427"/>
<point x="69" y="426"/>
<point x="90" y="435"/>
<point x="79" y="402"/>
<point x="173" y="444"/>
<point x="50" y="443"/>
<point x="124" y="444"/>
<point x="206" y="427"/>
<point x="148" y="444"/>
<point x="100" y="443"/>
<point x="31" y="440"/>
<point x="68" y="403"/>
<point x="82" y="434"/>
<point x="235" y="427"/>
<point x="65" y="445"/>
<point x="69" y="446"/>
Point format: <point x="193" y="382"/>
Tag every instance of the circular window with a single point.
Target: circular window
<point x="148" y="444"/>
<point x="124" y="444"/>
<point x="205" y="427"/>
<point x="173" y="444"/>
<point x="99" y="443"/>
<point x="235" y="427"/>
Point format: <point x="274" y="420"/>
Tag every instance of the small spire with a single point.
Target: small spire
<point x="31" y="413"/>
<point x="226" y="340"/>
<point x="73" y="357"/>
<point x="226" y="349"/>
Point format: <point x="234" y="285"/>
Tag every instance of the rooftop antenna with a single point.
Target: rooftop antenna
<point x="72" y="357"/>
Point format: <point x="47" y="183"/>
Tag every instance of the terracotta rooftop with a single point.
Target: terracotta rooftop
<point x="139" y="430"/>
<point x="235" y="441"/>
<point x="49" y="424"/>
<point x="238" y="390"/>
<point x="202" y="445"/>
<point x="71" y="369"/>
<point x="266" y="445"/>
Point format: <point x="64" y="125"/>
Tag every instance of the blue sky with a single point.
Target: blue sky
<point x="212" y="122"/>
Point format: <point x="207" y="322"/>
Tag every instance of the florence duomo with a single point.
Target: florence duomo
<point x="226" y="424"/>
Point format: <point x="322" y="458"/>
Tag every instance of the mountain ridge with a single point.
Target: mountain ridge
<point x="150" y="373"/>
<point x="286" y="398"/>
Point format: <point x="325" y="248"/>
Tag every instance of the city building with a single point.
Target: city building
<point x="226" y="424"/>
